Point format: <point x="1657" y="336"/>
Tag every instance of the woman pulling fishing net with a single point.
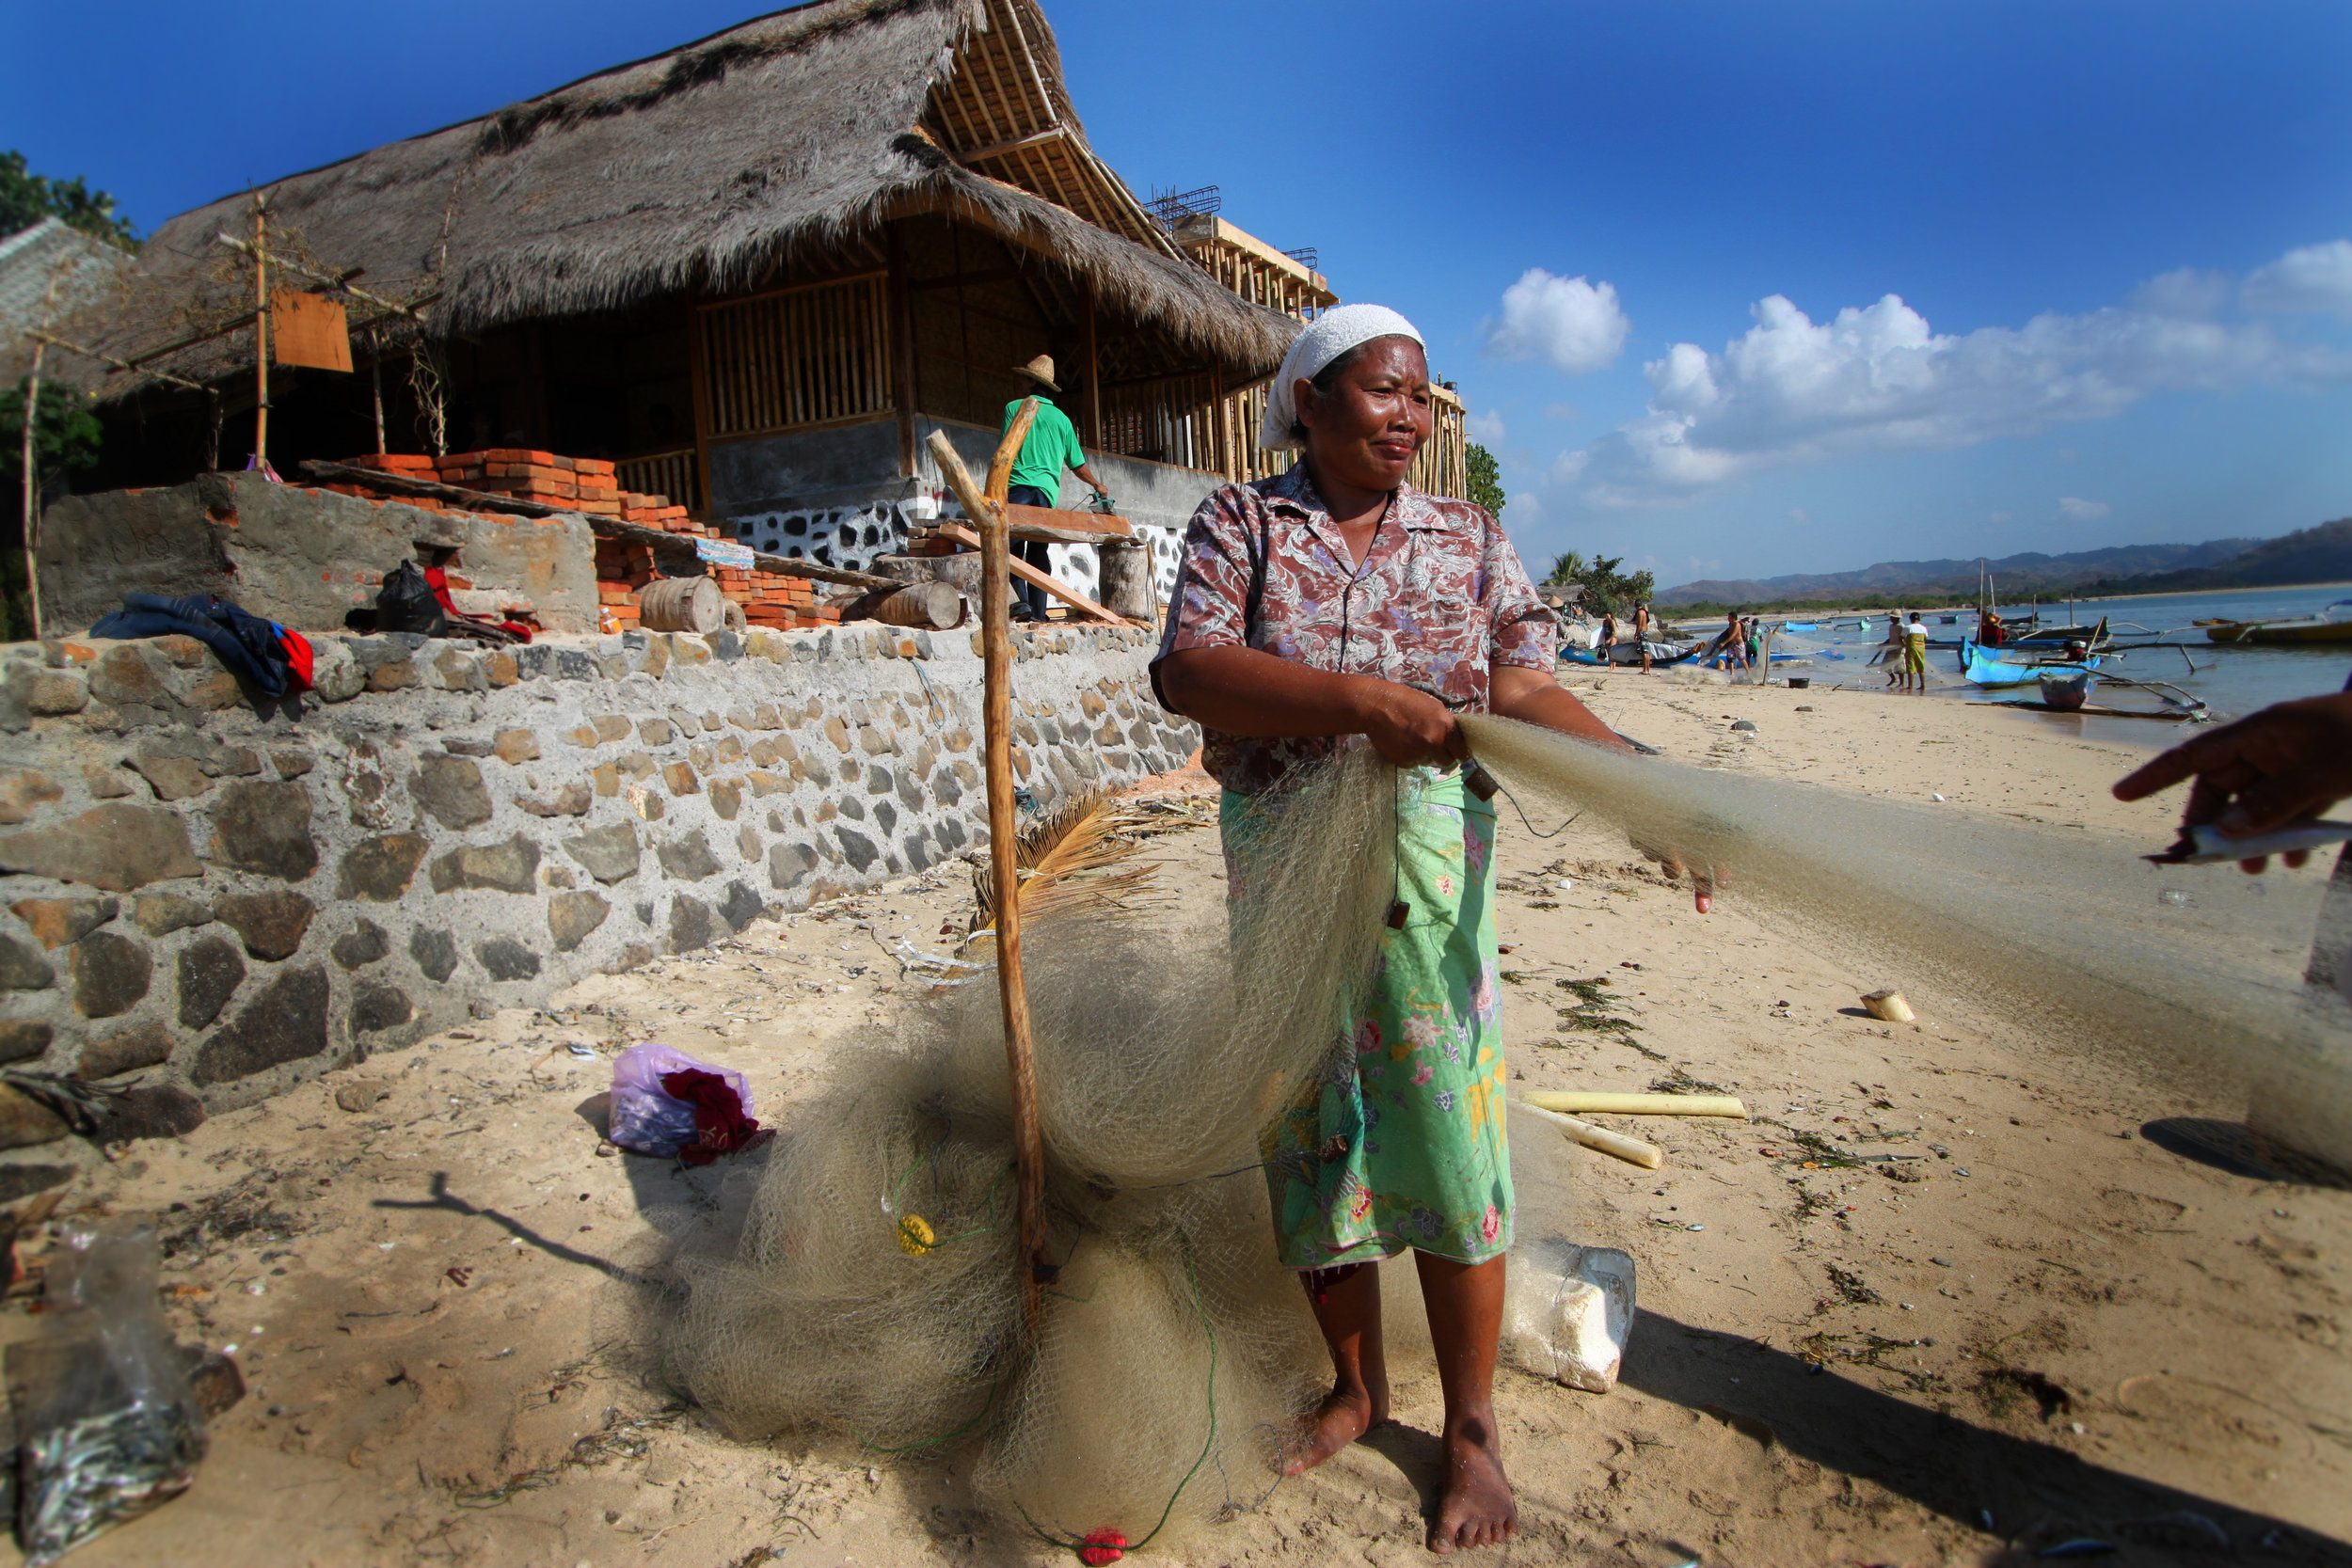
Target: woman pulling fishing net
<point x="1329" y="603"/>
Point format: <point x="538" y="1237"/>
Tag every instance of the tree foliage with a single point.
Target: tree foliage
<point x="1606" y="589"/>
<point x="26" y="198"/>
<point x="65" y="433"/>
<point x="1486" y="478"/>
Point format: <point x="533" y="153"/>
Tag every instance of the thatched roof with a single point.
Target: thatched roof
<point x="705" y="168"/>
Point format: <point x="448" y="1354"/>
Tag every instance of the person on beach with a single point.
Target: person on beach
<point x="1890" y="652"/>
<point x="1332" y="606"/>
<point x="1051" y="446"/>
<point x="1733" y="642"/>
<point x="1915" y="653"/>
<point x="1608" y="637"/>
<point x="1641" y="632"/>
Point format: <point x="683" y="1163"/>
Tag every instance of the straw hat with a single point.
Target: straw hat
<point x="1039" y="369"/>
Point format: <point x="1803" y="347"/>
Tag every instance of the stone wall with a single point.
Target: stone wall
<point x="213" y="903"/>
<point x="300" y="557"/>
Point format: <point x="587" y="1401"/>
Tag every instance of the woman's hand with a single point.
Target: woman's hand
<point x="1407" y="726"/>
<point x="2268" y="770"/>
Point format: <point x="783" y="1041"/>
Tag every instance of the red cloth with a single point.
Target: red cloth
<point x="299" y="658"/>
<point x="719" y="1124"/>
<point x="437" y="579"/>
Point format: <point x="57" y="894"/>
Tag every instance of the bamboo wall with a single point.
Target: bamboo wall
<point x="816" y="353"/>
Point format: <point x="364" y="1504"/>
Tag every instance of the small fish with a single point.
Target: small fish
<point x="2206" y="845"/>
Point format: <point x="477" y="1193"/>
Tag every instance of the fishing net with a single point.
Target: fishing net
<point x="2190" y="978"/>
<point x="864" y="1283"/>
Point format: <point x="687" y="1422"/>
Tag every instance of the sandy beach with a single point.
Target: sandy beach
<point x="2047" y="1329"/>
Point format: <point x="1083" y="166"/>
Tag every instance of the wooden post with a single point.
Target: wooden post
<point x="901" y="348"/>
<point x="1028" y="1144"/>
<point x="376" y="385"/>
<point x="31" y="535"/>
<point x="695" y="374"/>
<point x="261" y="333"/>
<point x="1094" y="375"/>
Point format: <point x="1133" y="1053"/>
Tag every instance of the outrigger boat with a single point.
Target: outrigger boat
<point x="1630" y="653"/>
<point x="1984" y="666"/>
<point x="2331" y="624"/>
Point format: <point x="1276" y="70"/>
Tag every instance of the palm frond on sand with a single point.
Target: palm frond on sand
<point x="1067" y="860"/>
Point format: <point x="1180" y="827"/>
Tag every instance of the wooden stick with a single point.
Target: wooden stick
<point x="1634" y="1152"/>
<point x="1575" y="1101"/>
<point x="1028" y="1144"/>
<point x="1028" y="573"/>
<point x="261" y="333"/>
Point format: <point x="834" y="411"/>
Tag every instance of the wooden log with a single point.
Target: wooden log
<point x="996" y="728"/>
<point x="1122" y="578"/>
<point x="682" y="604"/>
<point x="1028" y="573"/>
<point x="960" y="571"/>
<point x="934" y="606"/>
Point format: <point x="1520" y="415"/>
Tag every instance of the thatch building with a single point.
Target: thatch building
<point x="755" y="270"/>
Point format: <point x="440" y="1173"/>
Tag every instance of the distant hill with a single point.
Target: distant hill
<point x="2322" y="554"/>
<point x="2013" y="574"/>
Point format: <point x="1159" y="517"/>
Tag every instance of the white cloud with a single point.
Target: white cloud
<point x="1571" y="324"/>
<point x="2315" y="278"/>
<point x="1878" y="378"/>
<point x="1567" y="411"/>
<point x="1486" y="429"/>
<point x="2080" y="509"/>
<point x="2183" y="292"/>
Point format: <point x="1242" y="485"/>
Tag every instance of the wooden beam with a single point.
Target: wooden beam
<point x="1051" y="133"/>
<point x="1029" y="574"/>
<point x="1090" y="351"/>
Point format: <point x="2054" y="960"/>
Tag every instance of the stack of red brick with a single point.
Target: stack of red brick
<point x="623" y="567"/>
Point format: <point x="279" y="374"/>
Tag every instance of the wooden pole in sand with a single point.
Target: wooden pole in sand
<point x="1028" y="1146"/>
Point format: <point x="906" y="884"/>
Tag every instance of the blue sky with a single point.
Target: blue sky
<point x="1653" y="241"/>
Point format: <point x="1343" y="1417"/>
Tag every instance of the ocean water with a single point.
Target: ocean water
<point x="2231" y="681"/>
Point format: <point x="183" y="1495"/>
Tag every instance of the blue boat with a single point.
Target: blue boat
<point x="1630" y="653"/>
<point x="1800" y="626"/>
<point x="1984" y="666"/>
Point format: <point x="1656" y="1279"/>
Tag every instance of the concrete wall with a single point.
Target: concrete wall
<point x="207" y="905"/>
<point x="299" y="556"/>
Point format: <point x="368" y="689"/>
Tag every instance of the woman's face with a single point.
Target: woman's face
<point x="1365" y="431"/>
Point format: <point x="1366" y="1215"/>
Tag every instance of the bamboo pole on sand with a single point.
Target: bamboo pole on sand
<point x="996" y="725"/>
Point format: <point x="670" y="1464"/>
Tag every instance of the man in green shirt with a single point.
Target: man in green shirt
<point x="1052" y="446"/>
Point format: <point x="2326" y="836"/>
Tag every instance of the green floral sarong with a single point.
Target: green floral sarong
<point x="1402" y="1144"/>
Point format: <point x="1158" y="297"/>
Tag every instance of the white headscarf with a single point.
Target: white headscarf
<point x="1327" y="338"/>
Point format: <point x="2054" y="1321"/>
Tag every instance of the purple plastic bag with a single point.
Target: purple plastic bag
<point x="646" y="1119"/>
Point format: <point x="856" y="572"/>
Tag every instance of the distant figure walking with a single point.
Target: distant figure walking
<point x="1915" y="653"/>
<point x="1890" y="654"/>
<point x="1051" y="446"/>
<point x="1641" y="632"/>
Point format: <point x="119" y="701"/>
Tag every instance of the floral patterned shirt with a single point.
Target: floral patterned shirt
<point x="1439" y="598"/>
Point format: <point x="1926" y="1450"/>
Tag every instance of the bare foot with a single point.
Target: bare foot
<point x="1343" y="1416"/>
<point x="1475" y="1508"/>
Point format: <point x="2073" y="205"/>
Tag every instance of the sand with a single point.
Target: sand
<point x="2044" y="1326"/>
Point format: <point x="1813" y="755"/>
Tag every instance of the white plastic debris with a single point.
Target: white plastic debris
<point x="1567" y="1311"/>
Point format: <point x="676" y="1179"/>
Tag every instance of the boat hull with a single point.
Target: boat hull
<point x="2292" y="634"/>
<point x="1981" y="668"/>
